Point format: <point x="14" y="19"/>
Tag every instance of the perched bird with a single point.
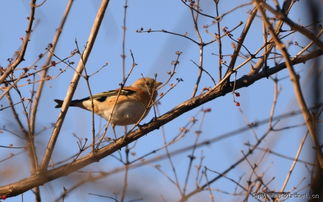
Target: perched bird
<point x="128" y="105"/>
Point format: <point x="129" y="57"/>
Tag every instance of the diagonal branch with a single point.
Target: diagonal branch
<point x="71" y="89"/>
<point x="308" y="118"/>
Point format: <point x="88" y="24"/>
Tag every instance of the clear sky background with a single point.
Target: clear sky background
<point x="153" y="53"/>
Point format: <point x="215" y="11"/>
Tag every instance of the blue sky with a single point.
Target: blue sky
<point x="153" y="53"/>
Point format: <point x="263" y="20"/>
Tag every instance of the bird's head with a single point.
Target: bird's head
<point x="148" y="84"/>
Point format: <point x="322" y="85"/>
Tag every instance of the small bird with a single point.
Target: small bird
<point x="127" y="105"/>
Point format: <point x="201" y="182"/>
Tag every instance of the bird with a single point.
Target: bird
<point x="123" y="106"/>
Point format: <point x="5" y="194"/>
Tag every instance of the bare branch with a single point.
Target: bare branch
<point x="74" y="82"/>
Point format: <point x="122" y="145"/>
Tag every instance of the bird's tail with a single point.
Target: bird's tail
<point x="59" y="103"/>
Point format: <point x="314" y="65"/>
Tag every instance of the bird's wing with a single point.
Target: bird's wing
<point x="101" y="97"/>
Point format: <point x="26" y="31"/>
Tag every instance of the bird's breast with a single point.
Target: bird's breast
<point x="125" y="113"/>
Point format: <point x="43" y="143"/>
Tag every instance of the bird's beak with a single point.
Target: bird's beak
<point x="158" y="84"/>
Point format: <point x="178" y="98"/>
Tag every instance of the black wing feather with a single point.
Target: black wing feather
<point x="101" y="97"/>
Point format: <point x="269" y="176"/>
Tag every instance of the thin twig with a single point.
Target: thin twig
<point x="26" y="38"/>
<point x="300" y="147"/>
<point x="195" y="17"/>
<point x="219" y="40"/>
<point x="123" y="46"/>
